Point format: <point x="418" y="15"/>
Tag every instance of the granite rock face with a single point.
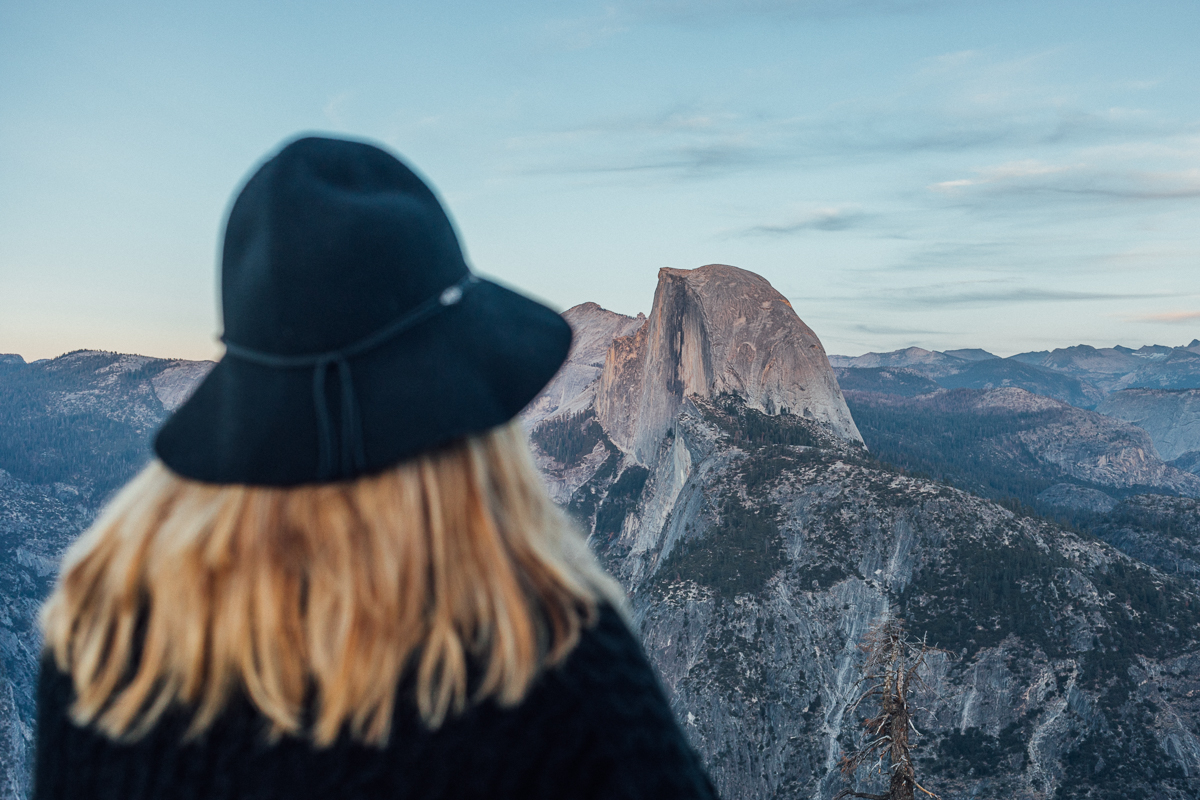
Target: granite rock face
<point x="1171" y="417"/>
<point x="175" y="383"/>
<point x="712" y="331"/>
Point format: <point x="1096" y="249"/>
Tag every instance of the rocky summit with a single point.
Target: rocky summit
<point x="712" y="331"/>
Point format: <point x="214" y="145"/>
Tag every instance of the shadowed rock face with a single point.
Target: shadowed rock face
<point x="593" y="329"/>
<point x="712" y="331"/>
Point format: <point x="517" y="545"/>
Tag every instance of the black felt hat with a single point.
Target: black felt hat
<point x="355" y="334"/>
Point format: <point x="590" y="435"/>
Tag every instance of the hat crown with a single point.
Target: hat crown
<point x="329" y="241"/>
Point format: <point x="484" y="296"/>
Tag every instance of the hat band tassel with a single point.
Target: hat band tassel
<point x="352" y="458"/>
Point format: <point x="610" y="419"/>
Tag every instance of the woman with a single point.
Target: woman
<point x="342" y="577"/>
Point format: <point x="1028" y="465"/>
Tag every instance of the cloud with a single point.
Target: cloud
<point x="708" y="11"/>
<point x="960" y="103"/>
<point x="580" y="33"/>
<point x="835" y="218"/>
<point x="706" y="160"/>
<point x="335" y="109"/>
<point x="683" y="142"/>
<point x="1167" y="316"/>
<point x="888" y="330"/>
<point x="984" y="293"/>
<point x="1015" y="170"/>
<point x="1023" y="179"/>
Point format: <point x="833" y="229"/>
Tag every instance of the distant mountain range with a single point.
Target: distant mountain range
<point x="1081" y="375"/>
<point x="1155" y="387"/>
<point x="1037" y="516"/>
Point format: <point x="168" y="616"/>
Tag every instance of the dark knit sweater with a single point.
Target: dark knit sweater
<point x="596" y="727"/>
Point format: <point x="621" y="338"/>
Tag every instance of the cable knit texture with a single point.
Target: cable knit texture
<point x="598" y="727"/>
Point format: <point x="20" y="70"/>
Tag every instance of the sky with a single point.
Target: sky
<point x="936" y="173"/>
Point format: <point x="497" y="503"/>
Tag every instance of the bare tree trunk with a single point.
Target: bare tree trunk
<point x="890" y="669"/>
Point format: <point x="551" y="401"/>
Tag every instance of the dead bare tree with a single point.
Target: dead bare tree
<point x="891" y="671"/>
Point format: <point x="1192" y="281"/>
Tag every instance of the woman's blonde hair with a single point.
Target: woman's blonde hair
<point x="319" y="599"/>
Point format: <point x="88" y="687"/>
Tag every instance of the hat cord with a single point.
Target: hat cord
<point x="353" y="460"/>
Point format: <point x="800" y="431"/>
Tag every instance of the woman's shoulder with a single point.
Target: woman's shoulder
<point x="608" y="694"/>
<point x="608" y="663"/>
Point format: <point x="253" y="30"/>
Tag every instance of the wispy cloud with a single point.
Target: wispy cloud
<point x="1013" y="171"/>
<point x="704" y="160"/>
<point x="991" y="293"/>
<point x="890" y="330"/>
<point x="832" y="218"/>
<point x="1167" y="316"/>
<point x="335" y="109"/>
<point x="957" y="104"/>
<point x="1078" y="181"/>
<point x="579" y="33"/>
<point x="702" y="11"/>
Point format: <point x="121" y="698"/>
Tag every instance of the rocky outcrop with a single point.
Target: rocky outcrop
<point x="712" y="331"/>
<point x="1171" y="417"/>
<point x="1104" y="451"/>
<point x="572" y="389"/>
<point x="759" y="547"/>
<point x="1077" y="498"/>
<point x="178" y="380"/>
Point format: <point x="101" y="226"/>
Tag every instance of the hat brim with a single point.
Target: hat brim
<point x="469" y="368"/>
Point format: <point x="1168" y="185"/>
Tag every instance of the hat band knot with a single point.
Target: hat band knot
<point x="352" y="459"/>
